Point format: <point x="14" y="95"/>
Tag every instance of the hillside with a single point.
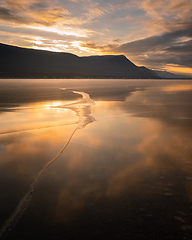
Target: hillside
<point x="168" y="75"/>
<point x="16" y="62"/>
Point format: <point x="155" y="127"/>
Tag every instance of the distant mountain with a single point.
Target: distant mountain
<point x="16" y="62"/>
<point x="168" y="75"/>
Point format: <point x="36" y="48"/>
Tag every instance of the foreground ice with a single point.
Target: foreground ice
<point x="82" y="109"/>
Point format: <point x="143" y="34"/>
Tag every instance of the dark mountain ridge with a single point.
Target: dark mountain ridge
<point x="16" y="62"/>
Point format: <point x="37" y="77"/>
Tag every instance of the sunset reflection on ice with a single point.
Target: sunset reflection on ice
<point x="129" y="169"/>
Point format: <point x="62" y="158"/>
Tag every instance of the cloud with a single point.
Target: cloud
<point x="94" y="11"/>
<point x="22" y="4"/>
<point x="32" y="12"/>
<point x="38" y="5"/>
<point x="50" y="17"/>
<point x="165" y="7"/>
<point x="154" y="43"/>
<point x="183" y="47"/>
<point x="149" y="32"/>
<point x="12" y="16"/>
<point x="166" y="15"/>
<point x="168" y="48"/>
<point x="119" y="5"/>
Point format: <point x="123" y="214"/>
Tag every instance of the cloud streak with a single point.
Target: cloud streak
<point x="168" y="48"/>
<point x="32" y="13"/>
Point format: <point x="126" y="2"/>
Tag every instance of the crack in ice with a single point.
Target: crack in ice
<point x="82" y="109"/>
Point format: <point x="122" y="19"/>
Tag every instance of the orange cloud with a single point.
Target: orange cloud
<point x="25" y="12"/>
<point x="179" y="69"/>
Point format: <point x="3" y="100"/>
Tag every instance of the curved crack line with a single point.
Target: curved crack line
<point x="82" y="109"/>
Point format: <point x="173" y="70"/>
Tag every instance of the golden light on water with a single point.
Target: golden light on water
<point x="133" y="152"/>
<point x="52" y="105"/>
<point x="177" y="88"/>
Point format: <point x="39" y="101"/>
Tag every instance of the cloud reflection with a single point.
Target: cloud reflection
<point x="109" y="164"/>
<point x="83" y="111"/>
<point x="139" y="149"/>
<point x="122" y="153"/>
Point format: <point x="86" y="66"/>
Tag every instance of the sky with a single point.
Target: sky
<point x="152" y="33"/>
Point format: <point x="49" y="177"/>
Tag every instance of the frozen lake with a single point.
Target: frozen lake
<point x="95" y="159"/>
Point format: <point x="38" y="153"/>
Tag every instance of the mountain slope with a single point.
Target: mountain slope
<point x="29" y="63"/>
<point x="168" y="75"/>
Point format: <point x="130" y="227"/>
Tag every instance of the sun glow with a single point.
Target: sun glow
<point x="63" y="30"/>
<point x="52" y="105"/>
<point x="177" y="69"/>
<point x="82" y="47"/>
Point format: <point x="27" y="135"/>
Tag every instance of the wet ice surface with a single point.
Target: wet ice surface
<point x="82" y="109"/>
<point x="125" y="175"/>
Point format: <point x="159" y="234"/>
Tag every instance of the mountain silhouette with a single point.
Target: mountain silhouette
<point x="16" y="62"/>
